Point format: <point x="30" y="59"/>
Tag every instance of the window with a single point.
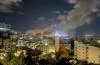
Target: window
<point x="87" y="48"/>
<point x="83" y="52"/>
<point x="79" y="46"/>
<point x="87" y="57"/>
<point x="83" y="49"/>
<point x="8" y="46"/>
<point x="83" y="46"/>
<point x="0" y="54"/>
<point x="99" y="56"/>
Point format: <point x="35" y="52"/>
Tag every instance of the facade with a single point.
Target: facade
<point x="20" y="43"/>
<point x="80" y="51"/>
<point x="9" y="45"/>
<point x="46" y="48"/>
<point x="4" y="27"/>
<point x="56" y="42"/>
<point x="1" y="52"/>
<point x="22" y="49"/>
<point x="93" y="54"/>
<point x="30" y="44"/>
<point x="13" y="37"/>
<point x="35" y="54"/>
<point x="86" y="52"/>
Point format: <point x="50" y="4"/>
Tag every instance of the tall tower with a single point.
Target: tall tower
<point x="56" y="41"/>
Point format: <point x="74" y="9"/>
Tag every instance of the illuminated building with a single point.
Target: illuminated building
<point x="13" y="37"/>
<point x="23" y="49"/>
<point x="20" y="43"/>
<point x="9" y="45"/>
<point x="46" y="48"/>
<point x="30" y="44"/>
<point x="93" y="54"/>
<point x="1" y="52"/>
<point x="80" y="51"/>
<point x="5" y="27"/>
<point x="86" y="52"/>
<point x="36" y="55"/>
<point x="56" y="42"/>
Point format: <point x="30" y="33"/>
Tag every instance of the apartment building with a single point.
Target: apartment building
<point x="46" y="48"/>
<point x="13" y="37"/>
<point x="93" y="54"/>
<point x="86" y="52"/>
<point x="9" y="45"/>
<point x="80" y="51"/>
<point x="30" y="44"/>
<point x="20" y="43"/>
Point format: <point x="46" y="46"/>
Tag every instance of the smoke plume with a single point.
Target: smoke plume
<point x="78" y="16"/>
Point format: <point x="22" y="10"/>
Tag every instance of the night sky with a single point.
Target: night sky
<point x="40" y="14"/>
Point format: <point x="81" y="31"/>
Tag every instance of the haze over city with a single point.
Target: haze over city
<point x="69" y="17"/>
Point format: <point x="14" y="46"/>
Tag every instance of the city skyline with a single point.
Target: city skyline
<point x="40" y="14"/>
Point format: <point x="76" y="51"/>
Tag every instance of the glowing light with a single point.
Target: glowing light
<point x="56" y="33"/>
<point x="98" y="41"/>
<point x="87" y="35"/>
<point x="46" y="44"/>
<point x="16" y="33"/>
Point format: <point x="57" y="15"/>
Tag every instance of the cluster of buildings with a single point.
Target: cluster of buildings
<point x="86" y="48"/>
<point x="89" y="52"/>
<point x="30" y="45"/>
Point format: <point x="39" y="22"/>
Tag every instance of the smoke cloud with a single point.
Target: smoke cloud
<point x="6" y="5"/>
<point x="78" y="16"/>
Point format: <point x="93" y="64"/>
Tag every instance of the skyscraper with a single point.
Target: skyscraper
<point x="56" y="41"/>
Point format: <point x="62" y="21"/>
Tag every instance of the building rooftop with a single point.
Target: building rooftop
<point x="34" y="52"/>
<point x="24" y="48"/>
<point x="62" y="50"/>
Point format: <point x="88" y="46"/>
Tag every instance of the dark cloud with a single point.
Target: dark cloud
<point x="20" y="13"/>
<point x="6" y="5"/>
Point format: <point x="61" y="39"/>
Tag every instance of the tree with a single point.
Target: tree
<point x="11" y="59"/>
<point x="63" y="55"/>
<point x="81" y="62"/>
<point x="49" y="57"/>
<point x="7" y="58"/>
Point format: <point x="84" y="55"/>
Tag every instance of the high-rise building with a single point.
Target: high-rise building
<point x="56" y="42"/>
